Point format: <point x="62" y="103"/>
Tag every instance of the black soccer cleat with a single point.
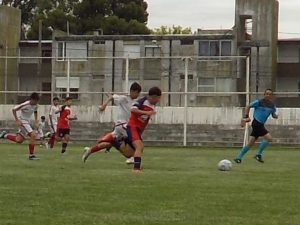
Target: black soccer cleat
<point x="33" y="157"/>
<point x="259" y="158"/>
<point x="238" y="160"/>
<point x="107" y="150"/>
<point x="2" y="134"/>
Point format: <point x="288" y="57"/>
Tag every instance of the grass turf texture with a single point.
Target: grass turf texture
<point x="177" y="186"/>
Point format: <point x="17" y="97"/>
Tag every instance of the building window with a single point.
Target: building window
<point x="132" y="51"/>
<point x="61" y="50"/>
<point x="152" y="51"/>
<point x="62" y="85"/>
<point x="215" y="84"/>
<point x="215" y="48"/>
<point x="76" y="51"/>
<point x="206" y="84"/>
<point x="46" y="53"/>
<point x="226" y="48"/>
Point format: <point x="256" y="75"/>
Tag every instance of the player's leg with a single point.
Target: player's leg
<point x="31" y="145"/>
<point x="134" y="137"/>
<point x="245" y="149"/>
<point x="52" y="138"/>
<point x="264" y="143"/>
<point x="139" y="147"/>
<point x="65" y="140"/>
<point x="12" y="137"/>
<point x="103" y="142"/>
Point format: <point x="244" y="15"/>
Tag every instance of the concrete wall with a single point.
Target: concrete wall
<point x="206" y="126"/>
<point x="10" y="30"/>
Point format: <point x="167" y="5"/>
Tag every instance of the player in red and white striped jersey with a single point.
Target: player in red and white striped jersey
<point x="23" y="119"/>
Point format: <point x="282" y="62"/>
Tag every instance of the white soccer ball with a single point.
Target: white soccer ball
<point x="224" y="165"/>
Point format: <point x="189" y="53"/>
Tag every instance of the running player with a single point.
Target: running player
<point x="63" y="125"/>
<point x="26" y="110"/>
<point x="53" y="117"/>
<point x="124" y="103"/>
<point x="263" y="108"/>
<point x="141" y="112"/>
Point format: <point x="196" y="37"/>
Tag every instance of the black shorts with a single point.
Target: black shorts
<point x="61" y="132"/>
<point x="258" y="129"/>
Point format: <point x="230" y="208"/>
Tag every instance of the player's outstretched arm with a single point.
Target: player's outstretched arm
<point x="105" y="103"/>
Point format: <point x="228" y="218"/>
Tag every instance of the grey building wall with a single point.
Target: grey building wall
<point x="10" y="23"/>
<point x="261" y="18"/>
<point x="153" y="61"/>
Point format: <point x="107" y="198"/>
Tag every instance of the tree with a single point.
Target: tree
<point x="112" y="16"/>
<point x="83" y="16"/>
<point x="163" y="30"/>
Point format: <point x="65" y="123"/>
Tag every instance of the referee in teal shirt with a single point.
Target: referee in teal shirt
<point x="263" y="108"/>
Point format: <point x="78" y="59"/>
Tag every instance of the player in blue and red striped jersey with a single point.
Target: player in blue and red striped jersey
<point x="63" y="125"/>
<point x="141" y="112"/>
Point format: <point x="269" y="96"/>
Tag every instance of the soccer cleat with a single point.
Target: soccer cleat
<point x="238" y="160"/>
<point x="2" y="134"/>
<point x="107" y="150"/>
<point x="63" y="151"/>
<point x="86" y="154"/>
<point x="130" y="160"/>
<point x="259" y="158"/>
<point x="33" y="157"/>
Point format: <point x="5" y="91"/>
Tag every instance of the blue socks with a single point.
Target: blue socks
<point x="259" y="151"/>
<point x="262" y="147"/>
<point x="243" y="151"/>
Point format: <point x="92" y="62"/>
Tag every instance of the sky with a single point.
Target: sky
<point x="216" y="14"/>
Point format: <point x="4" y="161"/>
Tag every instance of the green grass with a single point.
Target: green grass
<point x="178" y="186"/>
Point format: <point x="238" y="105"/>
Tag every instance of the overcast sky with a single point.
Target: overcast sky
<point x="216" y="14"/>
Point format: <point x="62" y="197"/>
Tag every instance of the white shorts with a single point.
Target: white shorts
<point x="120" y="130"/>
<point x="53" y="131"/>
<point x="39" y="134"/>
<point x="25" y="128"/>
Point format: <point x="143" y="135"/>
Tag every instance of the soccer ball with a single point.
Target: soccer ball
<point x="224" y="165"/>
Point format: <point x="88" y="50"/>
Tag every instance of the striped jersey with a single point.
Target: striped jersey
<point x="138" y="120"/>
<point x="26" y="110"/>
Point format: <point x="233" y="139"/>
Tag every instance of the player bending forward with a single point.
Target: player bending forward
<point x="263" y="108"/>
<point x="124" y="103"/>
<point x="26" y="110"/>
<point x="141" y="112"/>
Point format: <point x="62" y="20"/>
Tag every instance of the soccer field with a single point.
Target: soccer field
<point x="178" y="186"/>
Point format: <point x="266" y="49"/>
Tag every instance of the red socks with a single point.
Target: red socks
<point x="11" y="137"/>
<point x="31" y="149"/>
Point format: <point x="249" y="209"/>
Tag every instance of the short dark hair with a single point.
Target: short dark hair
<point x="268" y="89"/>
<point x="43" y="117"/>
<point x="55" y="98"/>
<point x="154" y="91"/>
<point x="34" y="96"/>
<point x="135" y="87"/>
<point x="68" y="98"/>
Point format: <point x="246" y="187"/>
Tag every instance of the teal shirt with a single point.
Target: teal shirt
<point x="262" y="110"/>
